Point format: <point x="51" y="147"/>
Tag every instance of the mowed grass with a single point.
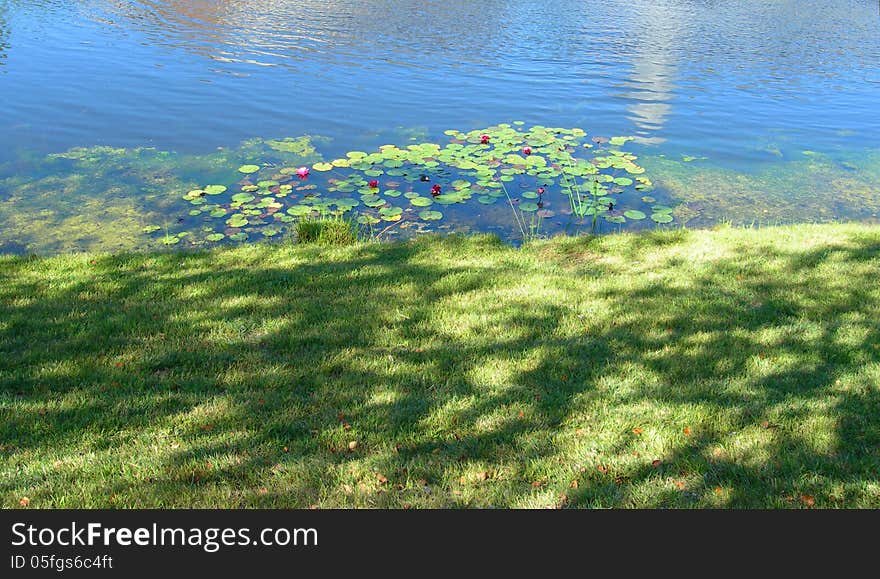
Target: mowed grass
<point x="725" y="368"/>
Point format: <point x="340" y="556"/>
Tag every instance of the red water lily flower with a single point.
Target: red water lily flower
<point x="435" y="189"/>
<point x="540" y="190"/>
<point x="527" y="150"/>
<point x="484" y="139"/>
<point x="303" y="172"/>
<point x="374" y="184"/>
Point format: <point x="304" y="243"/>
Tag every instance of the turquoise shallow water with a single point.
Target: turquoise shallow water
<point x="753" y="112"/>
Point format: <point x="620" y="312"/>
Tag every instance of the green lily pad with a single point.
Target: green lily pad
<point x="215" y="237"/>
<point x="367" y="220"/>
<point x="299" y="210"/>
<point x="240" y="236"/>
<point x="248" y="169"/>
<point x="170" y="240"/>
<point x="529" y="207"/>
<point x="429" y="215"/>
<point x="648" y="199"/>
<point x="267" y="184"/>
<point x="662" y="209"/>
<point x="270" y="231"/>
<point x="373" y="201"/>
<point x="237" y="221"/>
<point x="662" y="217"/>
<point x="215" y="189"/>
<point x="391" y="193"/>
<point x="615" y="218"/>
<point x="529" y="195"/>
<point x="390" y="211"/>
<point x="151" y="229"/>
<point x="634" y="214"/>
<point x="421" y="201"/>
<point x="487" y="199"/>
<point x="242" y="198"/>
<point x="322" y="166"/>
<point x="623" y="181"/>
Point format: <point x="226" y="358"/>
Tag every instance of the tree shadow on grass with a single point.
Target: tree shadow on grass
<point x="243" y="378"/>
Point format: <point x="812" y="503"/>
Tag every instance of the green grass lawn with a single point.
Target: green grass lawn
<point x="726" y="368"/>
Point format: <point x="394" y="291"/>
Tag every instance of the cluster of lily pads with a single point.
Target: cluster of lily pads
<point x="529" y="169"/>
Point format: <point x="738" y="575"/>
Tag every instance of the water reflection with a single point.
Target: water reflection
<point x="654" y="66"/>
<point x="4" y="35"/>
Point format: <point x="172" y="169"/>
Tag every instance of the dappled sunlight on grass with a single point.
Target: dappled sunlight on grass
<point x="728" y="368"/>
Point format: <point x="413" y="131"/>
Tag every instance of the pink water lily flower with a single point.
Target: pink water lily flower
<point x="303" y="172"/>
<point x="374" y="184"/>
<point x="527" y="150"/>
<point x="484" y="139"/>
<point x="540" y="190"/>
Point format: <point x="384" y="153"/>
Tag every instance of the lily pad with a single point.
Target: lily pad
<point x="299" y="210"/>
<point x="529" y="207"/>
<point x="429" y="215"/>
<point x="634" y="214"/>
<point x="242" y="198"/>
<point x="322" y="166"/>
<point x="215" y="189"/>
<point x="248" y="169"/>
<point x="215" y="237"/>
<point x="237" y="221"/>
<point x="240" y="236"/>
<point x="151" y="229"/>
<point x="421" y="201"/>
<point x="373" y="201"/>
<point x="662" y="217"/>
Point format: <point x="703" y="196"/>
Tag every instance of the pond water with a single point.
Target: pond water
<point x="113" y="111"/>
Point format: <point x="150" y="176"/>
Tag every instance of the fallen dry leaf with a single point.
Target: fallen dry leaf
<point x="352" y="445"/>
<point x="680" y="484"/>
<point x="808" y="500"/>
<point x="483" y="475"/>
<point x="718" y="490"/>
<point x="381" y="478"/>
<point x="602" y="468"/>
<point x="285" y="450"/>
<point x="686" y="430"/>
<point x="717" y="452"/>
<point x="263" y="491"/>
<point x="656" y="463"/>
<point x="24" y="501"/>
<point x="537" y="483"/>
<point x="637" y="431"/>
<point x="574" y="484"/>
